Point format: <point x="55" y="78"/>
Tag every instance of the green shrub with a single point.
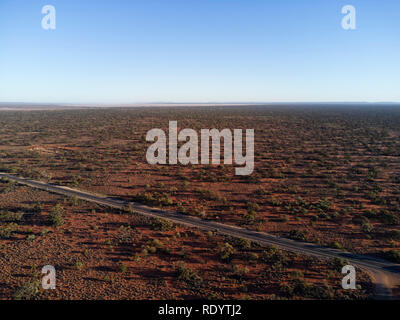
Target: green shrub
<point x="275" y="257"/>
<point x="261" y="192"/>
<point x="74" y="200"/>
<point x="56" y="215"/>
<point x="78" y="265"/>
<point x="320" y="292"/>
<point x="297" y="235"/>
<point x="300" y="288"/>
<point x="297" y="274"/>
<point x="286" y="290"/>
<point x="162" y="225"/>
<point x="8" y="231"/>
<point x="156" y="198"/>
<point x="243" y="244"/>
<point x="336" y="245"/>
<point x="30" y="237"/>
<point x="388" y="217"/>
<point x="392" y="255"/>
<point x="123" y="267"/>
<point x="303" y="289"/>
<point x="226" y="251"/>
<point x="366" y="227"/>
<point x="199" y="213"/>
<point x="207" y="194"/>
<point x="158" y="244"/>
<point x="324" y="204"/>
<point x="337" y="263"/>
<point x="239" y="271"/>
<point x="252" y="256"/>
<point x="188" y="275"/>
<point x="252" y="206"/>
<point x="372" y="214"/>
<point x="37" y="208"/>
<point x="209" y="235"/>
<point x="11" y="216"/>
<point x="28" y="291"/>
<point x="152" y="250"/>
<point x="250" y="217"/>
<point x="44" y="232"/>
<point x="11" y="186"/>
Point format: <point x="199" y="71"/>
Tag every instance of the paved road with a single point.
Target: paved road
<point x="386" y="275"/>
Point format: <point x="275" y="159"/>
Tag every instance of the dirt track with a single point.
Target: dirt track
<point x="386" y="275"/>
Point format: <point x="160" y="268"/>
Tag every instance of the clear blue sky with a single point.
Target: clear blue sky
<point x="199" y="51"/>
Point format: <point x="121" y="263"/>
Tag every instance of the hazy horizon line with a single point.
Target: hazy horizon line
<point x="160" y="103"/>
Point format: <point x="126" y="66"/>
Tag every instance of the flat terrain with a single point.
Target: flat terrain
<point x="101" y="253"/>
<point x="386" y="275"/>
<point x="324" y="175"/>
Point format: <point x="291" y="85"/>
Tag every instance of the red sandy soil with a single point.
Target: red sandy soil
<point x="90" y="248"/>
